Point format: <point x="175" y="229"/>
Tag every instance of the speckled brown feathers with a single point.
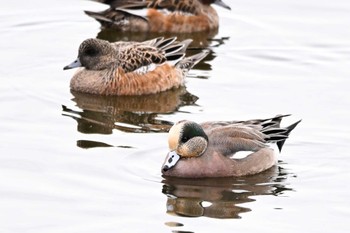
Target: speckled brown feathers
<point x="131" y="68"/>
<point x="161" y="79"/>
<point x="133" y="57"/>
<point x="179" y="16"/>
<point x="189" y="6"/>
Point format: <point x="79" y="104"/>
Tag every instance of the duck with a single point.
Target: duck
<point x="208" y="149"/>
<point x="174" y="16"/>
<point x="132" y="68"/>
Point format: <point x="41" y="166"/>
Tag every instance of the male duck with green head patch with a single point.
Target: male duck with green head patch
<point x="208" y="149"/>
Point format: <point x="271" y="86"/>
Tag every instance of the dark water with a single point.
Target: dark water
<point x="73" y="162"/>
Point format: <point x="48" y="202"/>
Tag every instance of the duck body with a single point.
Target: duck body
<point x="159" y="15"/>
<point x="208" y="149"/>
<point x="118" y="82"/>
<point x="131" y="68"/>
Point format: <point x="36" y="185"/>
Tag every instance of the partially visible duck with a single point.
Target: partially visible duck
<point x="208" y="149"/>
<point x="131" y="68"/>
<point x="174" y="16"/>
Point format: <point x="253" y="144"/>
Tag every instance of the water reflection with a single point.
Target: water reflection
<point x="91" y="144"/>
<point x="138" y="114"/>
<point x="221" y="197"/>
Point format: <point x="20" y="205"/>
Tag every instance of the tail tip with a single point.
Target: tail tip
<point x="289" y="129"/>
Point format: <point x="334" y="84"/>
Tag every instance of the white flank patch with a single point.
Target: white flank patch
<point x="145" y="69"/>
<point x="242" y="154"/>
<point x="167" y="12"/>
<point x="206" y="204"/>
<point x="138" y="12"/>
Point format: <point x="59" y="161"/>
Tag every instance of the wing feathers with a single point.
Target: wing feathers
<point x="136" y="55"/>
<point x="231" y="137"/>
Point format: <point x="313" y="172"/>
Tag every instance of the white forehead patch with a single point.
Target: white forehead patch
<point x="171" y="160"/>
<point x="174" y="135"/>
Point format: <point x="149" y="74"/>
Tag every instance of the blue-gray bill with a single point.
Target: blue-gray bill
<point x="222" y="4"/>
<point x="72" y="65"/>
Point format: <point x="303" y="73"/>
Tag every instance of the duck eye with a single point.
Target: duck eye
<point x="184" y="139"/>
<point x="91" y="52"/>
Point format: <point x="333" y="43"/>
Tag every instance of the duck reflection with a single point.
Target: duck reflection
<point x="221" y="197"/>
<point x="138" y="114"/>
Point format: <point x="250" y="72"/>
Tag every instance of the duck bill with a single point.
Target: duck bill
<point x="72" y="65"/>
<point x="222" y="4"/>
<point x="170" y="161"/>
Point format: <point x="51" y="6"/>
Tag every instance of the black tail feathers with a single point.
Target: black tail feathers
<point x="273" y="130"/>
<point x="288" y="130"/>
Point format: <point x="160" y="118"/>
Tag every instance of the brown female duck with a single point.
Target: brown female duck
<point x="185" y="16"/>
<point x="131" y="68"/>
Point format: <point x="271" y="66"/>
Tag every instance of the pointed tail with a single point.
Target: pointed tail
<point x="115" y="18"/>
<point x="99" y="16"/>
<point x="276" y="134"/>
<point x="187" y="63"/>
<point x="287" y="132"/>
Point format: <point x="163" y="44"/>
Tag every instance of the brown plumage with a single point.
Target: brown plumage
<point x="175" y="16"/>
<point x="131" y="68"/>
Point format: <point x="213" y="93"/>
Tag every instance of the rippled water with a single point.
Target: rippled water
<point x="72" y="162"/>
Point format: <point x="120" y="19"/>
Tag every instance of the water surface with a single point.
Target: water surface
<point x="72" y="162"/>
